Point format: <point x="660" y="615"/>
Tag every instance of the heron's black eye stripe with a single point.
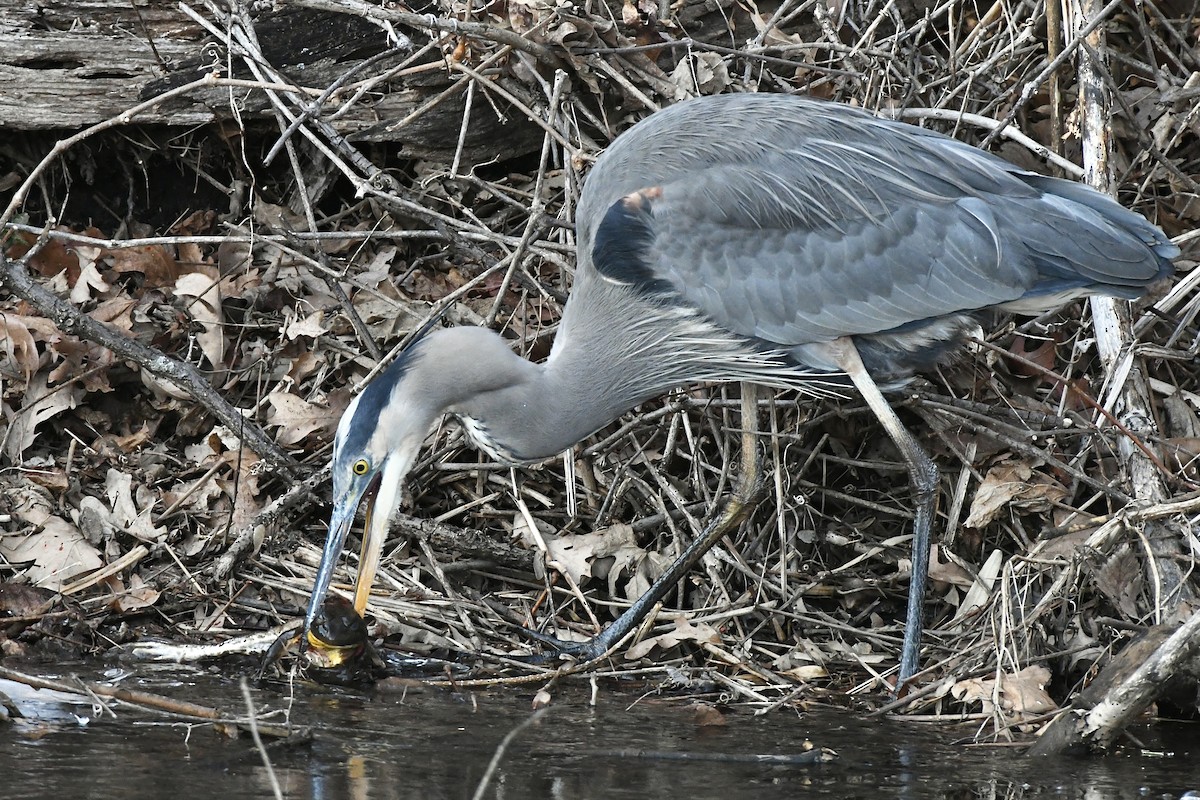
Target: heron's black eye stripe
<point x="361" y="467"/>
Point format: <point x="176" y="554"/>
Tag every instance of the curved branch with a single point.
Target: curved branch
<point x="69" y="319"/>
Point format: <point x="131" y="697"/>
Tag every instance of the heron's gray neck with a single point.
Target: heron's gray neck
<point x="517" y="410"/>
<point x="616" y="347"/>
<point x="535" y="418"/>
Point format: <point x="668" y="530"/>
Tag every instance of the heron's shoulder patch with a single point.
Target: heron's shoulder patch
<point x="623" y="240"/>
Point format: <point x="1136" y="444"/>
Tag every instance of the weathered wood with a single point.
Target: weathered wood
<point x="76" y="63"/>
<point x="1146" y="669"/>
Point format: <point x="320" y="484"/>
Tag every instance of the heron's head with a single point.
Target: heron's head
<point x="374" y="448"/>
<point x="377" y="441"/>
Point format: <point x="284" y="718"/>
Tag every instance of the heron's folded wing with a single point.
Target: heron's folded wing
<point x="826" y="238"/>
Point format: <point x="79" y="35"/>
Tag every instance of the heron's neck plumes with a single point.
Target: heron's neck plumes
<point x="520" y="411"/>
<point x="616" y="348"/>
<point x="513" y="409"/>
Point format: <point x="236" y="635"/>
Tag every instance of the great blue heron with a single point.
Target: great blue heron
<point x="767" y="239"/>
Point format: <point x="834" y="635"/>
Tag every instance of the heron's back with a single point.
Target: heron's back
<point x="791" y="222"/>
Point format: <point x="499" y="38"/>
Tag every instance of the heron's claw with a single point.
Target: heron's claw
<point x="579" y="651"/>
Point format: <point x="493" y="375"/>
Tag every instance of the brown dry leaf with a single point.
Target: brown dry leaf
<point x="379" y="309"/>
<point x="1066" y="546"/>
<point x="308" y="326"/>
<point x="804" y="655"/>
<point x="859" y="652"/>
<point x="116" y="312"/>
<point x="186" y="496"/>
<point x="79" y="362"/>
<point x="1187" y="205"/>
<point x="629" y="13"/>
<point x="947" y="571"/>
<point x="246" y="284"/>
<point x="574" y="554"/>
<point x="1120" y="579"/>
<point x="195" y="223"/>
<point x="134" y="440"/>
<point x="386" y="310"/>
<point x="523" y="17"/>
<point x="156" y="262"/>
<point x="43" y="330"/>
<point x="774" y="37"/>
<point x="277" y="217"/>
<point x="378" y="268"/>
<point x="189" y="255"/>
<point x="94" y="520"/>
<point x="244" y="492"/>
<point x="163" y="387"/>
<point x="207" y="452"/>
<point x="18" y="350"/>
<point x="19" y="600"/>
<point x="203" y="451"/>
<point x="1042" y="352"/>
<point x="641" y="568"/>
<point x="234" y="257"/>
<point x="118" y="486"/>
<point x="1022" y="693"/>
<point x="1183" y="419"/>
<point x="1183" y="453"/>
<point x="303" y="365"/>
<point x="700" y="74"/>
<point x="296" y="418"/>
<point x="56" y="551"/>
<point x="610" y="553"/>
<point x="1012" y="483"/>
<point x="139" y="595"/>
<point x="89" y="277"/>
<point x="50" y="477"/>
<point x="684" y="631"/>
<point x="808" y="672"/>
<point x="41" y="403"/>
<point x="205" y="309"/>
<point x="52" y="258"/>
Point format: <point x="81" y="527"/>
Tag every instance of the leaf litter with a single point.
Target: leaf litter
<point x="108" y="467"/>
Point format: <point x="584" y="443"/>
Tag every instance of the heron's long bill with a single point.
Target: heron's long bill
<point x="381" y="496"/>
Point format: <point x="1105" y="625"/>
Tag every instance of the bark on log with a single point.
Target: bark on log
<point x="1164" y="656"/>
<point x="79" y="62"/>
<point x="72" y="64"/>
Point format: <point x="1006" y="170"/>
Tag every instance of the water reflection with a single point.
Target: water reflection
<point x="430" y="744"/>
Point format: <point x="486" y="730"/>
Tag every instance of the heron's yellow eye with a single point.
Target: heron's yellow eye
<point x="361" y="467"/>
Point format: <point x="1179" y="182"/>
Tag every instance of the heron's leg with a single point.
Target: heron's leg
<point x="923" y="474"/>
<point x="739" y="505"/>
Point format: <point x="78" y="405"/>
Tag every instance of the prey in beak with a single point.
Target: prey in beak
<point x="376" y="443"/>
<point x="371" y="476"/>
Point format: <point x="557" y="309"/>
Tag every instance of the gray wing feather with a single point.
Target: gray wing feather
<point x="798" y="221"/>
<point x="774" y="251"/>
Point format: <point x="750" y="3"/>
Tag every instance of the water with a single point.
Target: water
<point x="431" y="744"/>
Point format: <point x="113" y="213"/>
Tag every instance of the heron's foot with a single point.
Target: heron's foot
<point x="579" y="651"/>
